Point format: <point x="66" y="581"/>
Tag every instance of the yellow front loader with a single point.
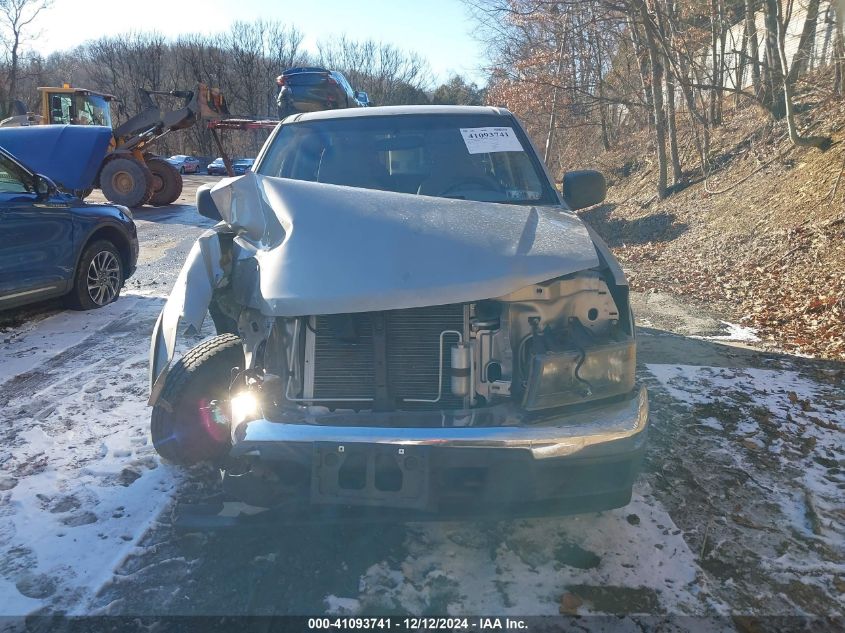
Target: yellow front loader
<point x="130" y="174"/>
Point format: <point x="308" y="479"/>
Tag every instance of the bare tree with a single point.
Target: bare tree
<point x="753" y="46"/>
<point x="715" y="62"/>
<point x="839" y="50"/>
<point x="16" y="17"/>
<point x="669" y="87"/>
<point x="388" y="74"/>
<point x="655" y="57"/>
<point x="774" y="14"/>
<point x="800" y="61"/>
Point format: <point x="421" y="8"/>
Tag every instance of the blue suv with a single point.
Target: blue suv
<point x="53" y="244"/>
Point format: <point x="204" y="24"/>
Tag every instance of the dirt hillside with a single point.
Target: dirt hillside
<point x="761" y="240"/>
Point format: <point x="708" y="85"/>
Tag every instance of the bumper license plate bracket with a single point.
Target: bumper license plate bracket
<point x="387" y="475"/>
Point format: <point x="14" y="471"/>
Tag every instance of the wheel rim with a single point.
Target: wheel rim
<point x="158" y="183"/>
<point x="123" y="182"/>
<point x="103" y="278"/>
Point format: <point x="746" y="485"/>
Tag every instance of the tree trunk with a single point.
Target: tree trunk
<point x="805" y="44"/>
<point x="640" y="52"/>
<point x="669" y="79"/>
<point x="839" y="59"/>
<point x="656" y="60"/>
<point x="605" y="135"/>
<point x="821" y="142"/>
<point x="13" y="71"/>
<point x="714" y="55"/>
<point x="723" y="35"/>
<point x="774" y="97"/>
<point x="702" y="144"/>
<point x="753" y="44"/>
<point x="739" y="72"/>
<point x="677" y="54"/>
<point x="553" y="114"/>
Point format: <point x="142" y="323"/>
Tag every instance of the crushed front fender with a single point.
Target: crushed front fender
<point x="188" y="301"/>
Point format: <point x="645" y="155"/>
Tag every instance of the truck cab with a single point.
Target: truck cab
<point x="75" y="106"/>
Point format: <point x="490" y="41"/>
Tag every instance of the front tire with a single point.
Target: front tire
<point x="126" y="181"/>
<point x="182" y="425"/>
<point x="99" y="277"/>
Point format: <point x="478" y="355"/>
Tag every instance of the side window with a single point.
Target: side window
<point x="344" y="84"/>
<point x="12" y="179"/>
<point x="85" y="114"/>
<point x="60" y="108"/>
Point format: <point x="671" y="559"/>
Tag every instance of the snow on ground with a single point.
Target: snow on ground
<point x="797" y="408"/>
<point x="629" y="560"/>
<point x="782" y="429"/>
<point x="25" y="347"/>
<point x="81" y="481"/>
<point x="735" y="333"/>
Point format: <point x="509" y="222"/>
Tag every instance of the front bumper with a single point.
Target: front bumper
<point x="597" y="430"/>
<point x="563" y="464"/>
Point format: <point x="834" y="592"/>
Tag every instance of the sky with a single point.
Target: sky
<point x="439" y="30"/>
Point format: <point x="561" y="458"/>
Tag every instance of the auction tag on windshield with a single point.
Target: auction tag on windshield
<point x="484" y="140"/>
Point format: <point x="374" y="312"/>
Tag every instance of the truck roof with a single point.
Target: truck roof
<point x="348" y="113"/>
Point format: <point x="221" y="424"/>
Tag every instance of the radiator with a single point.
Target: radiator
<point x="345" y="354"/>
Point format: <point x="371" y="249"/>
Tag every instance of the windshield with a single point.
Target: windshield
<point x="94" y="108"/>
<point x="471" y="157"/>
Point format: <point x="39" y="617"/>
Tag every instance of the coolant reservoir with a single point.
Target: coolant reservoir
<point x="461" y="359"/>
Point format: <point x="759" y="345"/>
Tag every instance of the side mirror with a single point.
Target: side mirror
<point x="582" y="189"/>
<point x="205" y="203"/>
<point x="44" y="187"/>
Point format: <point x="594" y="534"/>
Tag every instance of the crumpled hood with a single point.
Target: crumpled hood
<point x="327" y="249"/>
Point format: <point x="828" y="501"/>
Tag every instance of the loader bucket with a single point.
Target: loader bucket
<point x="212" y="104"/>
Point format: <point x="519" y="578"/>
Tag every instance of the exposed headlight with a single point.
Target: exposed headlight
<point x="559" y="378"/>
<point x="244" y="406"/>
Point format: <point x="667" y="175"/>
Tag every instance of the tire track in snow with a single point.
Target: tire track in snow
<point x="56" y="338"/>
<point x="81" y="481"/>
<point x="628" y="560"/>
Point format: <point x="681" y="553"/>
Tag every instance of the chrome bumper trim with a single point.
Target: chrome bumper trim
<point x="559" y="437"/>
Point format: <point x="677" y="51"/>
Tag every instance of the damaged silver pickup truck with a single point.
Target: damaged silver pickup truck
<point x="411" y="320"/>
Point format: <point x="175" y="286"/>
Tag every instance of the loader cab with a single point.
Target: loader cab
<point x="75" y="106"/>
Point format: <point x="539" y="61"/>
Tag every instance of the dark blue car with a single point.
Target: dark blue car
<point x="242" y="165"/>
<point x="53" y="244"/>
